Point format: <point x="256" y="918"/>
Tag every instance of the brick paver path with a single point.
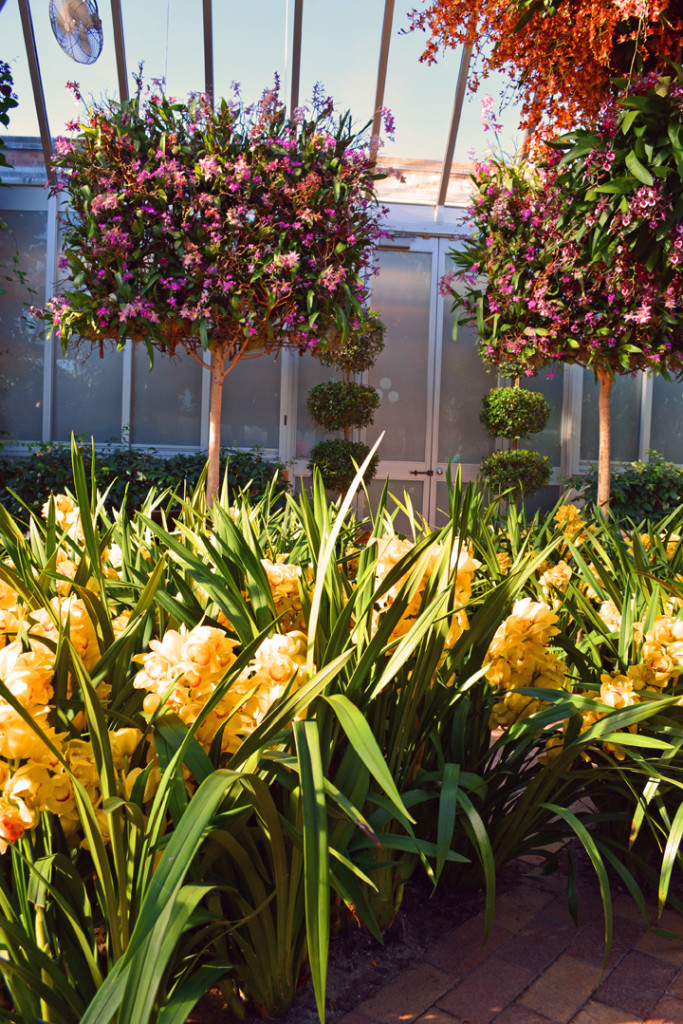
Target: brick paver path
<point x="539" y="967"/>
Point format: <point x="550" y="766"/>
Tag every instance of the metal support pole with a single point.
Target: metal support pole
<point x="208" y="49"/>
<point x="120" y="48"/>
<point x="296" y="54"/>
<point x="382" y="74"/>
<point x="37" y="85"/>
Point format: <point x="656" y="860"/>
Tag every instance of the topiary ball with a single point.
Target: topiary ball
<point x="514" y="412"/>
<point x="338" y="462"/>
<point x="336" y="404"/>
<point x="522" y="471"/>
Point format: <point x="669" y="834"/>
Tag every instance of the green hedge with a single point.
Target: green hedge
<point x="129" y="473"/>
<point x="642" y="490"/>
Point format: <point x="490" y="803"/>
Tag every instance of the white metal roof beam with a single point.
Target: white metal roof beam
<point x="382" y="73"/>
<point x="120" y="49"/>
<point x="37" y="85"/>
<point x="208" y="49"/>
<point x="455" y="124"/>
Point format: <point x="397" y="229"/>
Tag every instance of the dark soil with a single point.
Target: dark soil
<point x="359" y="965"/>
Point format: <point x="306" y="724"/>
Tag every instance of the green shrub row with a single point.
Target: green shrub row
<point x="127" y="474"/>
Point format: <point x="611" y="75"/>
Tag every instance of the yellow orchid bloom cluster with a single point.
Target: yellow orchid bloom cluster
<point x="554" y="580"/>
<point x="391" y="549"/>
<point x="518" y="657"/>
<point x="617" y="691"/>
<point x="284" y="584"/>
<point x="183" y="669"/>
<point x="568" y="518"/>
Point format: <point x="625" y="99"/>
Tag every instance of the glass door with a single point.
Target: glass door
<point x="404" y="294"/>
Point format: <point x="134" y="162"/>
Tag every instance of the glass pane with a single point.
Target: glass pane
<point x="249" y="46"/>
<point x="23" y="119"/>
<point x="413" y="88"/>
<point x="625" y="407"/>
<point x="311" y="372"/>
<point x="667" y="419"/>
<point x="87" y="394"/>
<point x="166" y="402"/>
<point x="549" y="383"/>
<point x="22" y="344"/>
<point x="464" y="382"/>
<point x="401" y="295"/>
<point x="169" y="40"/>
<point x="250" y="415"/>
<point x="349" y="69"/>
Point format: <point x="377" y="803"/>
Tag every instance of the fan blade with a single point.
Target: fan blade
<point x="85" y="42"/>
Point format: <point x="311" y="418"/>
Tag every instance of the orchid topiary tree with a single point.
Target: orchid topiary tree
<point x="580" y="260"/>
<point x="225" y="231"/>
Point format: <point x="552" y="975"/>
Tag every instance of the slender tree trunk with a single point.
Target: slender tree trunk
<point x="215" y="402"/>
<point x="605" y="448"/>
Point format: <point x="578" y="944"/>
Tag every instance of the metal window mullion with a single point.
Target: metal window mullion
<point x="645" y="433"/>
<point x="571" y="418"/>
<point x="127" y="390"/>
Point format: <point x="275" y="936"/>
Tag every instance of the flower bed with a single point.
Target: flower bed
<point x="223" y="736"/>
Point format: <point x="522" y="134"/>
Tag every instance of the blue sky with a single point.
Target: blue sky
<point x="249" y="47"/>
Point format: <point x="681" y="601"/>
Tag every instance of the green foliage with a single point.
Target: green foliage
<point x="338" y="460"/>
<point x="273" y="805"/>
<point x="127" y="474"/>
<point x="7" y="102"/>
<point x="359" y="350"/>
<point x="338" y="404"/>
<point x="522" y="471"/>
<point x="514" y="412"/>
<point x="642" y="490"/>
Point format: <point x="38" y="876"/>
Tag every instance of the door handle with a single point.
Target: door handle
<point x="422" y="472"/>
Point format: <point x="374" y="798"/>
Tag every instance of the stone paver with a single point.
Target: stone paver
<point x="518" y="1014"/>
<point x="353" y="1018"/>
<point x="589" y="943"/>
<point x="637" y="983"/>
<point x="665" y="948"/>
<point x="407" y="996"/>
<point x="519" y="905"/>
<point x="436" y="1016"/>
<point x="600" y="1013"/>
<point x="676" y="986"/>
<point x="667" y="1011"/>
<point x="486" y="992"/>
<point x="461" y="950"/>
<point x="538" y="943"/>
<point x="562" y="989"/>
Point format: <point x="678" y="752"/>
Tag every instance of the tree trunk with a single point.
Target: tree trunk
<point x="605" y="448"/>
<point x="215" y="403"/>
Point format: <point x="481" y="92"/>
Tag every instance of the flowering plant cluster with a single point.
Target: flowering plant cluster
<point x="229" y="229"/>
<point x="578" y="260"/>
<point x="561" y="265"/>
<point x="562" y="56"/>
